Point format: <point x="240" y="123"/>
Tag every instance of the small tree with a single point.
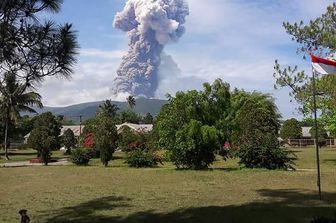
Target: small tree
<point x="195" y="146"/>
<point x="258" y="124"/>
<point x="49" y="123"/>
<point x="69" y="140"/>
<point x="40" y="140"/>
<point x="105" y="136"/>
<point x="291" y="129"/>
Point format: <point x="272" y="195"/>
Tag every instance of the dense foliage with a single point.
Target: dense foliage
<point x="196" y="125"/>
<point x="291" y="129"/>
<point x="51" y="125"/>
<point x="69" y="140"/>
<point x="195" y="146"/>
<point x="40" y="140"/>
<point x="263" y="151"/>
<point x="80" y="157"/>
<point x="140" y="158"/>
<point x="108" y="109"/>
<point x="105" y="138"/>
<point x="188" y="112"/>
<point x="45" y="136"/>
<point x="33" y="48"/>
<point x="256" y="134"/>
<point x="15" y="98"/>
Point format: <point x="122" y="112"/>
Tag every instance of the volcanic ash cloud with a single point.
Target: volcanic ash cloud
<point x="150" y="25"/>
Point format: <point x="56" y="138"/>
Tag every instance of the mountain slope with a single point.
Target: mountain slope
<point x="88" y="110"/>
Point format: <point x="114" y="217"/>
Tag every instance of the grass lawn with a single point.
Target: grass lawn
<point x="119" y="194"/>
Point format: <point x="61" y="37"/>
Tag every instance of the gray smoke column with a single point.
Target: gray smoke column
<point x="150" y="25"/>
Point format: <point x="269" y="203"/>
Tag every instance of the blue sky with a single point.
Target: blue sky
<point x="235" y="40"/>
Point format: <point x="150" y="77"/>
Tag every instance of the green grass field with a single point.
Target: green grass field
<point x="119" y="194"/>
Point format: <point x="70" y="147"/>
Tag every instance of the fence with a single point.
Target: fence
<point x="310" y="142"/>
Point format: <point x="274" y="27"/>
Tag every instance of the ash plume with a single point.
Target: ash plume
<point x="150" y="25"/>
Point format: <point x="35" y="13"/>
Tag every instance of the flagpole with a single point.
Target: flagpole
<point x="316" y="138"/>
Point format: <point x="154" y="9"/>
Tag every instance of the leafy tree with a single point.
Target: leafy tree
<point x="307" y="122"/>
<point x="291" y="129"/>
<point x="256" y="134"/>
<point x="33" y="50"/>
<point x="318" y="36"/>
<point x="108" y="109"/>
<point x="15" y="98"/>
<point x="211" y="107"/>
<point x="128" y="116"/>
<point x="105" y="137"/>
<point x="69" y="140"/>
<point x="131" y="101"/>
<point x="40" y="140"/>
<point x="148" y="119"/>
<point x="51" y="125"/>
<point x="195" y="146"/>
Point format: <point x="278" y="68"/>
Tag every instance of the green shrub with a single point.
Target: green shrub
<point x="195" y="147"/>
<point x="264" y="152"/>
<point x="80" y="157"/>
<point x="142" y="158"/>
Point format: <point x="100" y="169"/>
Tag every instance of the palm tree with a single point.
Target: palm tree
<point x="131" y="101"/>
<point x="14" y="99"/>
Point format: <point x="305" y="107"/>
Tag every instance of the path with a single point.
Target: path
<point x="60" y="162"/>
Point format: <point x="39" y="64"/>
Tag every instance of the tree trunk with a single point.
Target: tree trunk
<point x="6" y="138"/>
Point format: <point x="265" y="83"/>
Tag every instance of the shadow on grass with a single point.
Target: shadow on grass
<point x="278" y="206"/>
<point x="329" y="161"/>
<point x="19" y="153"/>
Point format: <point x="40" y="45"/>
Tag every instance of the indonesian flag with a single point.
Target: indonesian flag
<point x="322" y="65"/>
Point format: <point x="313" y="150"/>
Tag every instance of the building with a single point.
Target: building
<point x="78" y="129"/>
<point x="139" y="128"/>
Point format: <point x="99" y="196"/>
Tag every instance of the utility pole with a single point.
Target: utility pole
<point x="80" y="129"/>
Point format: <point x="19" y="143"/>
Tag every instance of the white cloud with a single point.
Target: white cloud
<point x="101" y="54"/>
<point x="92" y="80"/>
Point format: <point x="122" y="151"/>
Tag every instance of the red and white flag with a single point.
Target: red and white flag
<point x="322" y="65"/>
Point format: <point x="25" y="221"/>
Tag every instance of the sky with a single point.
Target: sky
<point x="235" y="40"/>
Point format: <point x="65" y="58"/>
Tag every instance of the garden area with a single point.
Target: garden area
<point x="216" y="154"/>
<point x="225" y="192"/>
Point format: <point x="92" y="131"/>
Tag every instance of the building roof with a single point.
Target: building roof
<point x="136" y="127"/>
<point x="75" y="128"/>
